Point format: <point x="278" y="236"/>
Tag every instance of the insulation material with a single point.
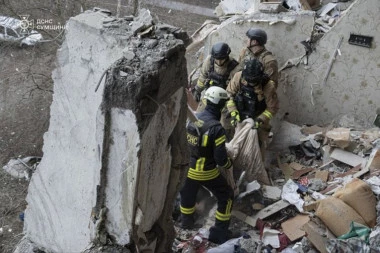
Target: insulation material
<point x="358" y="195"/>
<point x="244" y="150"/>
<point x="337" y="215"/>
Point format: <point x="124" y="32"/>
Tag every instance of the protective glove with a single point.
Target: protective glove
<point x="196" y="93"/>
<point x="258" y="123"/>
<point x="235" y="117"/>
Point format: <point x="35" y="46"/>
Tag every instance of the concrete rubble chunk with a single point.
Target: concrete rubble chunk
<point x="142" y="22"/>
<point x="113" y="159"/>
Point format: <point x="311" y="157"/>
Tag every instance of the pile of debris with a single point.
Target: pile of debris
<point x="324" y="197"/>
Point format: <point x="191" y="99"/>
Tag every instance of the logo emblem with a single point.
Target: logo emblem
<point x="26" y="24"/>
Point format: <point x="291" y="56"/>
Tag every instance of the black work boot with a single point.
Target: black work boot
<point x="219" y="232"/>
<point x="187" y="221"/>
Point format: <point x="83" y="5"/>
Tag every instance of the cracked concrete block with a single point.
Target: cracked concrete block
<point x="112" y="152"/>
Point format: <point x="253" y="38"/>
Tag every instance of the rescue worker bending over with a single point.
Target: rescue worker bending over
<point x="256" y="50"/>
<point x="253" y="95"/>
<point x="206" y="139"/>
<point x="217" y="69"/>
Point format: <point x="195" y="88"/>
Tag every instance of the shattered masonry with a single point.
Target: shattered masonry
<point x="123" y="173"/>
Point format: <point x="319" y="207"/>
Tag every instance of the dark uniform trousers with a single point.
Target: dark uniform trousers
<point x="218" y="186"/>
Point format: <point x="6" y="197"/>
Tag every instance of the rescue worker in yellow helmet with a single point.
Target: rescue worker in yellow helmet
<point x="206" y="139"/>
<point x="257" y="38"/>
<point x="217" y="69"/>
<point x="253" y="95"/>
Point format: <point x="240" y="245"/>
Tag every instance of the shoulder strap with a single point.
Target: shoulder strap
<point x="212" y="61"/>
<point x="231" y="65"/>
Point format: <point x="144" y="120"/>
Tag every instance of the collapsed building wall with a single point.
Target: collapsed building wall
<point x="352" y="86"/>
<point x="112" y="158"/>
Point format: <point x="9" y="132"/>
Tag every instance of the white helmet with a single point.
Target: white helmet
<point x="216" y="95"/>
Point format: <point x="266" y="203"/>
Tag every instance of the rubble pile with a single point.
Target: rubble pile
<point x="324" y="196"/>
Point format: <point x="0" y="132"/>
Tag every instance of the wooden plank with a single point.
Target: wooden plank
<point x="269" y="210"/>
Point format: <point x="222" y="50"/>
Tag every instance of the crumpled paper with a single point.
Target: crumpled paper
<point x="289" y="193"/>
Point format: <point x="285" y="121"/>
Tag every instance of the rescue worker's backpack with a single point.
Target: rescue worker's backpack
<point x="195" y="137"/>
<point x="247" y="102"/>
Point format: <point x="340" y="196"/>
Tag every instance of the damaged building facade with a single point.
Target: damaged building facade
<point x="313" y="87"/>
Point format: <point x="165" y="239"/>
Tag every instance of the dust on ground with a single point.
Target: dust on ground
<point x="12" y="198"/>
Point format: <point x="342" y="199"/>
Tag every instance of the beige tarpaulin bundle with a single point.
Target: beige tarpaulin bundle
<point x="245" y="153"/>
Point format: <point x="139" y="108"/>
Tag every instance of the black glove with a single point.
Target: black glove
<point x="196" y="93"/>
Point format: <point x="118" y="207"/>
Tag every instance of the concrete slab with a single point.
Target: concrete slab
<point x="111" y="166"/>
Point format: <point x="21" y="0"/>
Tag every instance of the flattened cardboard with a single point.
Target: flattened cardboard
<point x="293" y="227"/>
<point x="296" y="166"/>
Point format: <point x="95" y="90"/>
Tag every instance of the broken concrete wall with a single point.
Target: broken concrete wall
<point x="112" y="158"/>
<point x="352" y="86"/>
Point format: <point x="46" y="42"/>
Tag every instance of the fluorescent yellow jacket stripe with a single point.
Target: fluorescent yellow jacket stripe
<point x="227" y="215"/>
<point x="185" y="210"/>
<point x="220" y="140"/>
<point x="268" y="114"/>
<point x="203" y="175"/>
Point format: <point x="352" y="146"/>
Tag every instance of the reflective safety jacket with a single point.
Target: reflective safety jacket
<point x="206" y="139"/>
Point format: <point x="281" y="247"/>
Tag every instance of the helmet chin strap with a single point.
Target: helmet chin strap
<point x="223" y="62"/>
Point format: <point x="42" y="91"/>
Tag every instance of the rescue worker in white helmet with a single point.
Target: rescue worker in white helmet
<point x="253" y="95"/>
<point x="206" y="139"/>
<point x="217" y="69"/>
<point x="257" y="38"/>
